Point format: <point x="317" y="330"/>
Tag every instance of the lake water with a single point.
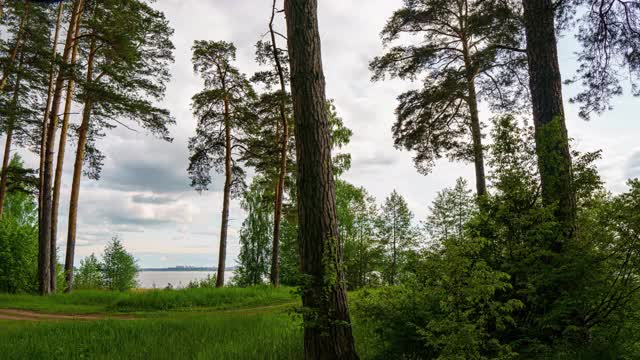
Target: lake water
<point x="178" y="279"/>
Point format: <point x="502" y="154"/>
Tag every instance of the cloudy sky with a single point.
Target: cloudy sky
<point x="144" y="195"/>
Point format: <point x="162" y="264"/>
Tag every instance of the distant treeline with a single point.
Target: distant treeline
<point x="188" y="268"/>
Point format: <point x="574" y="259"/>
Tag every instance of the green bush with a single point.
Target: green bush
<point x="19" y="244"/>
<point x="119" y="268"/>
<point x="89" y="275"/>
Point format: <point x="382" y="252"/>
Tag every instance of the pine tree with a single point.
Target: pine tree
<point x="465" y="53"/>
<point x="396" y="233"/>
<point x="449" y="212"/>
<point x="221" y="109"/>
<point x="19" y="107"/>
<point x="129" y="50"/>
<point x="327" y="332"/>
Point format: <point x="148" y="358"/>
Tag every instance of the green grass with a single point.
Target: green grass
<point x="228" y="323"/>
<point x="92" y="301"/>
<point x="269" y="335"/>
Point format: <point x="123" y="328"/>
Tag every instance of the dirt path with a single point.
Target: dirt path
<point x="27" y="315"/>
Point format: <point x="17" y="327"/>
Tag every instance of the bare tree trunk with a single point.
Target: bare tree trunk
<point x="60" y="163"/>
<point x="45" y="120"/>
<point x="83" y="132"/>
<point x="5" y="167"/>
<point x="277" y="213"/>
<point x="552" y="144"/>
<point x="476" y="135"/>
<point x="327" y="331"/>
<point x="472" y="102"/>
<point x="224" y="224"/>
<point x="14" y="52"/>
<point x="44" y="254"/>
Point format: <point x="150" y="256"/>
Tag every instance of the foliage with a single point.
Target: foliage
<point x="209" y="282"/>
<point x="455" y="46"/>
<point x="24" y="94"/>
<point x="609" y="32"/>
<point x="119" y="267"/>
<point x="255" y="237"/>
<point x="89" y="275"/>
<point x="19" y="244"/>
<point x="397" y="235"/>
<point x="289" y="253"/>
<point x="449" y="311"/>
<point x="131" y="57"/>
<point x="450" y="211"/>
<point x="357" y="214"/>
<point x="222" y="110"/>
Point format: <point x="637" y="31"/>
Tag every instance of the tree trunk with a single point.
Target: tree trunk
<point x="83" y="132"/>
<point x="472" y="102"/>
<point x="45" y="120"/>
<point x="552" y="144"/>
<point x="327" y="325"/>
<point x="5" y="167"/>
<point x="476" y="135"/>
<point x="222" y="256"/>
<point x="277" y="212"/>
<point x="44" y="254"/>
<point x="60" y="163"/>
<point x="14" y="52"/>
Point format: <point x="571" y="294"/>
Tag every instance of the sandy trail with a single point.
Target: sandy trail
<point x="27" y="315"/>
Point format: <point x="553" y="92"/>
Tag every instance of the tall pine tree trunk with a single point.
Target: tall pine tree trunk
<point x="552" y="144"/>
<point x="277" y="212"/>
<point x="224" y="224"/>
<point x="476" y="135"/>
<point x="327" y="331"/>
<point x="472" y="102"/>
<point x="5" y="166"/>
<point x="60" y="162"/>
<point x="83" y="132"/>
<point x="16" y="48"/>
<point x="44" y="254"/>
<point x="45" y="120"/>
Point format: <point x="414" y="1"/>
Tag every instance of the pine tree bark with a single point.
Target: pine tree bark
<point x="45" y="120"/>
<point x="277" y="213"/>
<point x="57" y="183"/>
<point x="545" y="82"/>
<point x="476" y="135"/>
<point x="472" y="102"/>
<point x="44" y="253"/>
<point x="224" y="224"/>
<point x="14" y="52"/>
<point x="327" y="331"/>
<point x="83" y="132"/>
<point x="5" y="167"/>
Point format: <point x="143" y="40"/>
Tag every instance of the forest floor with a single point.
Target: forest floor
<point x="229" y="323"/>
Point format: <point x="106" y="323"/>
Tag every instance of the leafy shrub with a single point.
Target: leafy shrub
<point x="208" y="282"/>
<point x="119" y="268"/>
<point x="19" y="244"/>
<point x="89" y="275"/>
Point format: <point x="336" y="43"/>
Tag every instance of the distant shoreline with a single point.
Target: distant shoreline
<point x="186" y="269"/>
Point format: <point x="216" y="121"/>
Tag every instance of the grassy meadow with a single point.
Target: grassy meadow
<point x="228" y="323"/>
